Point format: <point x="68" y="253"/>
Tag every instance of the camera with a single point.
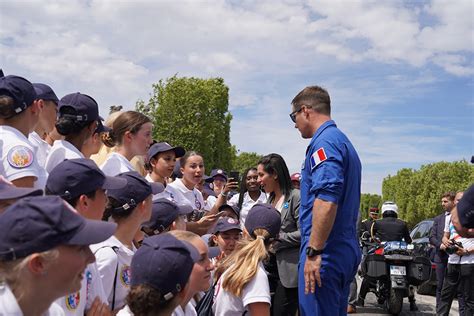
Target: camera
<point x="453" y="247"/>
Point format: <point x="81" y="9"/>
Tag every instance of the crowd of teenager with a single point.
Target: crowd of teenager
<point x="97" y="218"/>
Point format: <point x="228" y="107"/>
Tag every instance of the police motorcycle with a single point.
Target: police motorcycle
<point x="391" y="268"/>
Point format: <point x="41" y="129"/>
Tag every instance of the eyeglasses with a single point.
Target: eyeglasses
<point x="293" y="114"/>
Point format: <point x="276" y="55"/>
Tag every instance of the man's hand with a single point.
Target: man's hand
<point x="98" y="308"/>
<point x="461" y="252"/>
<point x="312" y="275"/>
<point x="445" y="243"/>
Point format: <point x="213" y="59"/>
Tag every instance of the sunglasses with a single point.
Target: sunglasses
<point x="293" y="114"/>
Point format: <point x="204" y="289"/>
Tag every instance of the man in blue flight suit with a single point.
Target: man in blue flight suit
<point x="330" y="198"/>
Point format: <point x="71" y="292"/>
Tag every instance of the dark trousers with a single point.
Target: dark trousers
<point x="459" y="277"/>
<point x="285" y="301"/>
<point x="440" y="273"/>
<point x="364" y="287"/>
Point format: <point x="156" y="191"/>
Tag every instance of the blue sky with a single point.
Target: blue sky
<point x="400" y="74"/>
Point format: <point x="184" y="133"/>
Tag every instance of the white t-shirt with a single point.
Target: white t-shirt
<point x="189" y="310"/>
<point x="467" y="243"/>
<point x="125" y="311"/>
<point x="42" y="148"/>
<point x="211" y="201"/>
<point x="256" y="291"/>
<point x="107" y="259"/>
<point x="81" y="301"/>
<point x="181" y="195"/>
<point x="19" y="157"/>
<point x="247" y="204"/>
<point x="61" y="150"/>
<point x="115" y="164"/>
<point x="9" y="305"/>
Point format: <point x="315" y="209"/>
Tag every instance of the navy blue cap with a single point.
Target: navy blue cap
<point x="41" y="223"/>
<point x="263" y="216"/>
<point x="206" y="189"/>
<point x="101" y="128"/>
<point x="136" y="191"/>
<point x="217" y="172"/>
<point x="177" y="169"/>
<point x="162" y="147"/>
<point x="163" y="214"/>
<point x="234" y="208"/>
<point x="87" y="109"/>
<point x="44" y="92"/>
<point x="20" y="90"/>
<point x="465" y="208"/>
<point x="214" y="251"/>
<point x="73" y="177"/>
<point x="164" y="263"/>
<point x="225" y="224"/>
<point x="9" y="191"/>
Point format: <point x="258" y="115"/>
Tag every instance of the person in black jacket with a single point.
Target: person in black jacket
<point x="367" y="223"/>
<point x="389" y="228"/>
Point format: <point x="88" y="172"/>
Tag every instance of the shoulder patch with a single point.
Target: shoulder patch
<point x="72" y="301"/>
<point x="20" y="157"/>
<point x="318" y="157"/>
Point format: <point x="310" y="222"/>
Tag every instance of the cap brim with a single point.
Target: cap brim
<point x="185" y="209"/>
<point x="214" y="252"/>
<point x="230" y="228"/>
<point x="179" y="151"/>
<point x="114" y="183"/>
<point x="12" y="192"/>
<point x="93" y="232"/>
<point x="157" y="187"/>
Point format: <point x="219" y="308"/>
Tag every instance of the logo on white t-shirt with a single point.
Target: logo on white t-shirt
<point x="73" y="300"/>
<point x="125" y="275"/>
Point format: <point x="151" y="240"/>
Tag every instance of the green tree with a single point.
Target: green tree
<point x="418" y="192"/>
<point x="193" y="113"/>
<point x="245" y="160"/>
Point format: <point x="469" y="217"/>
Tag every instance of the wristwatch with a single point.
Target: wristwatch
<point x="311" y="252"/>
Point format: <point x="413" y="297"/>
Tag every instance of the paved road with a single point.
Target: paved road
<point x="426" y="305"/>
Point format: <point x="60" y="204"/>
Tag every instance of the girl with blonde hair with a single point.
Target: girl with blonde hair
<point x="243" y="283"/>
<point x="200" y="278"/>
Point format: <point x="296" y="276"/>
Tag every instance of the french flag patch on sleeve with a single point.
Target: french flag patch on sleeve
<point x="318" y="157"/>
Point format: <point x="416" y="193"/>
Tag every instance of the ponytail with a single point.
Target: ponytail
<point x="116" y="210"/>
<point x="242" y="265"/>
<point x="108" y="139"/>
<point x="67" y="123"/>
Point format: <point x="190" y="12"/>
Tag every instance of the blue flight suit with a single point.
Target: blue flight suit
<point x="332" y="174"/>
